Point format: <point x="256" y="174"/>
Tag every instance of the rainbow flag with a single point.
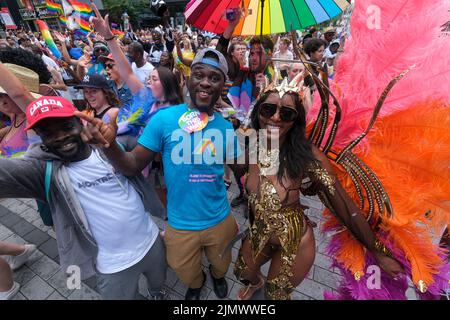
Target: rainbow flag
<point x="53" y="7"/>
<point x="118" y="33"/>
<point x="63" y="21"/>
<point x="85" y="16"/>
<point x="84" y="27"/>
<point x="48" y="38"/>
<point x="76" y="17"/>
<point x="80" y="6"/>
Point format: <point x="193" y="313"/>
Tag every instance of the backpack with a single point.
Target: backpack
<point x="44" y="207"/>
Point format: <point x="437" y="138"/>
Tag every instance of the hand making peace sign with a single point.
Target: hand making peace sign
<point x="97" y="131"/>
<point x="101" y="25"/>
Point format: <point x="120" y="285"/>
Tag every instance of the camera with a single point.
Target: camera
<point x="158" y="7"/>
<point x="230" y="14"/>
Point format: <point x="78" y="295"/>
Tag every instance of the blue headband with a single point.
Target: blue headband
<point x="211" y="62"/>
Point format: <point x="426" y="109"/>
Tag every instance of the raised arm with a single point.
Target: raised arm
<point x="14" y="88"/>
<point x="21" y="178"/>
<point x="339" y="202"/>
<point x="126" y="73"/>
<point x="227" y="34"/>
<point x="58" y="82"/>
<point x="168" y="33"/>
<point x="185" y="61"/>
<point x="104" y="135"/>
<point x="224" y="40"/>
<point x="89" y="40"/>
<point x="64" y="51"/>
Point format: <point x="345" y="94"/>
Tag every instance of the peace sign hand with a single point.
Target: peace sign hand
<point x="101" y="25"/>
<point x="98" y="132"/>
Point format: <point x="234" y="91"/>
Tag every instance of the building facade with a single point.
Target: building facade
<point x="26" y="12"/>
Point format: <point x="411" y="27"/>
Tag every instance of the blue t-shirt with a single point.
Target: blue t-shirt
<point x="97" y="68"/>
<point x="193" y="167"/>
<point x="124" y="94"/>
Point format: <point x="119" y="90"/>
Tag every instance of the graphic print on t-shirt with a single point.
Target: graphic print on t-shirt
<point x="205" y="145"/>
<point x="89" y="184"/>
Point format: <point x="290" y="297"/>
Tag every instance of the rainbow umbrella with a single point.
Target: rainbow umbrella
<point x="262" y="16"/>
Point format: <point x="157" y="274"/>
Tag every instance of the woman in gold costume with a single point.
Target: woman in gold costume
<point x="279" y="230"/>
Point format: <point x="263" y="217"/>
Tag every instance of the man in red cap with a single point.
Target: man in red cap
<point x="101" y="217"/>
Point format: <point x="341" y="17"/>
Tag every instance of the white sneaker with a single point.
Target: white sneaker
<point x="8" y="295"/>
<point x="15" y="262"/>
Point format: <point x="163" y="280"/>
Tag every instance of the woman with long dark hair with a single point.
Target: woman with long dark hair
<point x="288" y="166"/>
<point x="165" y="88"/>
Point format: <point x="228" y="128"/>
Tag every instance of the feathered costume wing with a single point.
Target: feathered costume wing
<point x="398" y="171"/>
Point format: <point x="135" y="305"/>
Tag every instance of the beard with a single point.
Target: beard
<point x="204" y="105"/>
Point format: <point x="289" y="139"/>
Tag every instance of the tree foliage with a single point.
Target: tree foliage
<point x="116" y="8"/>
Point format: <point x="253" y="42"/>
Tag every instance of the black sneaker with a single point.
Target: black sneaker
<point x="194" y="294"/>
<point x="220" y="286"/>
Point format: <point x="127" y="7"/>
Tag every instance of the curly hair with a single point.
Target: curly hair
<point x="265" y="41"/>
<point x="295" y="152"/>
<point x="313" y="45"/>
<point x="28" y="60"/>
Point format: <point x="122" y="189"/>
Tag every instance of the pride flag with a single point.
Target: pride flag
<point x="80" y="6"/>
<point x="76" y="17"/>
<point x="63" y="21"/>
<point x="48" y="38"/>
<point x="84" y="27"/>
<point x="118" y="33"/>
<point x="54" y="7"/>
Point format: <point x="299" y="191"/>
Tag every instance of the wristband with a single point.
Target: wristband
<point x="109" y="39"/>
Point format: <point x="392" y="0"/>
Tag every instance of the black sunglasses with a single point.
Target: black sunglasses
<point x="100" y="49"/>
<point x="287" y="114"/>
<point x="109" y="65"/>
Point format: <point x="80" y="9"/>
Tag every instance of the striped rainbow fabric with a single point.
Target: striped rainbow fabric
<point x="210" y="15"/>
<point x="54" y="7"/>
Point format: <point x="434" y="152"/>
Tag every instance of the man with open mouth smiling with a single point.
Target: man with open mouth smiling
<point x="101" y="217"/>
<point x="199" y="215"/>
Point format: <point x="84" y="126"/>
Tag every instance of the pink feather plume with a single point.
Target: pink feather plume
<point x="409" y="34"/>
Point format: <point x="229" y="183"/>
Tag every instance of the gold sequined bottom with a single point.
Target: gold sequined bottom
<point x="279" y="288"/>
<point x="273" y="221"/>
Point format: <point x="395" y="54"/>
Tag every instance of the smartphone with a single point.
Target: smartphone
<point x="230" y="14"/>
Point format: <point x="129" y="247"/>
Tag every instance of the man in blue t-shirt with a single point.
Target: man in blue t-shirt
<point x="194" y="142"/>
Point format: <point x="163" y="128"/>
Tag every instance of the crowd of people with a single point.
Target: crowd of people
<point x="90" y="136"/>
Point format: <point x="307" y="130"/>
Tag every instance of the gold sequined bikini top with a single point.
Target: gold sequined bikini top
<point x="272" y="219"/>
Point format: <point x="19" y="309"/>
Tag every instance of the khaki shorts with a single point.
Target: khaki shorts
<point x="184" y="250"/>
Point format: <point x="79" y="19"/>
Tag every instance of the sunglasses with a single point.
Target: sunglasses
<point x="109" y="65"/>
<point x="287" y="114"/>
<point x="100" y="50"/>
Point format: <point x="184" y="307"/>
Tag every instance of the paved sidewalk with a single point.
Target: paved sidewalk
<point x="42" y="279"/>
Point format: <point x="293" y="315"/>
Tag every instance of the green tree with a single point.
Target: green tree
<point x="116" y="8"/>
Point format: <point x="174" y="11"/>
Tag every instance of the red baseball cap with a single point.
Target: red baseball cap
<point x="103" y="59"/>
<point x="48" y="107"/>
